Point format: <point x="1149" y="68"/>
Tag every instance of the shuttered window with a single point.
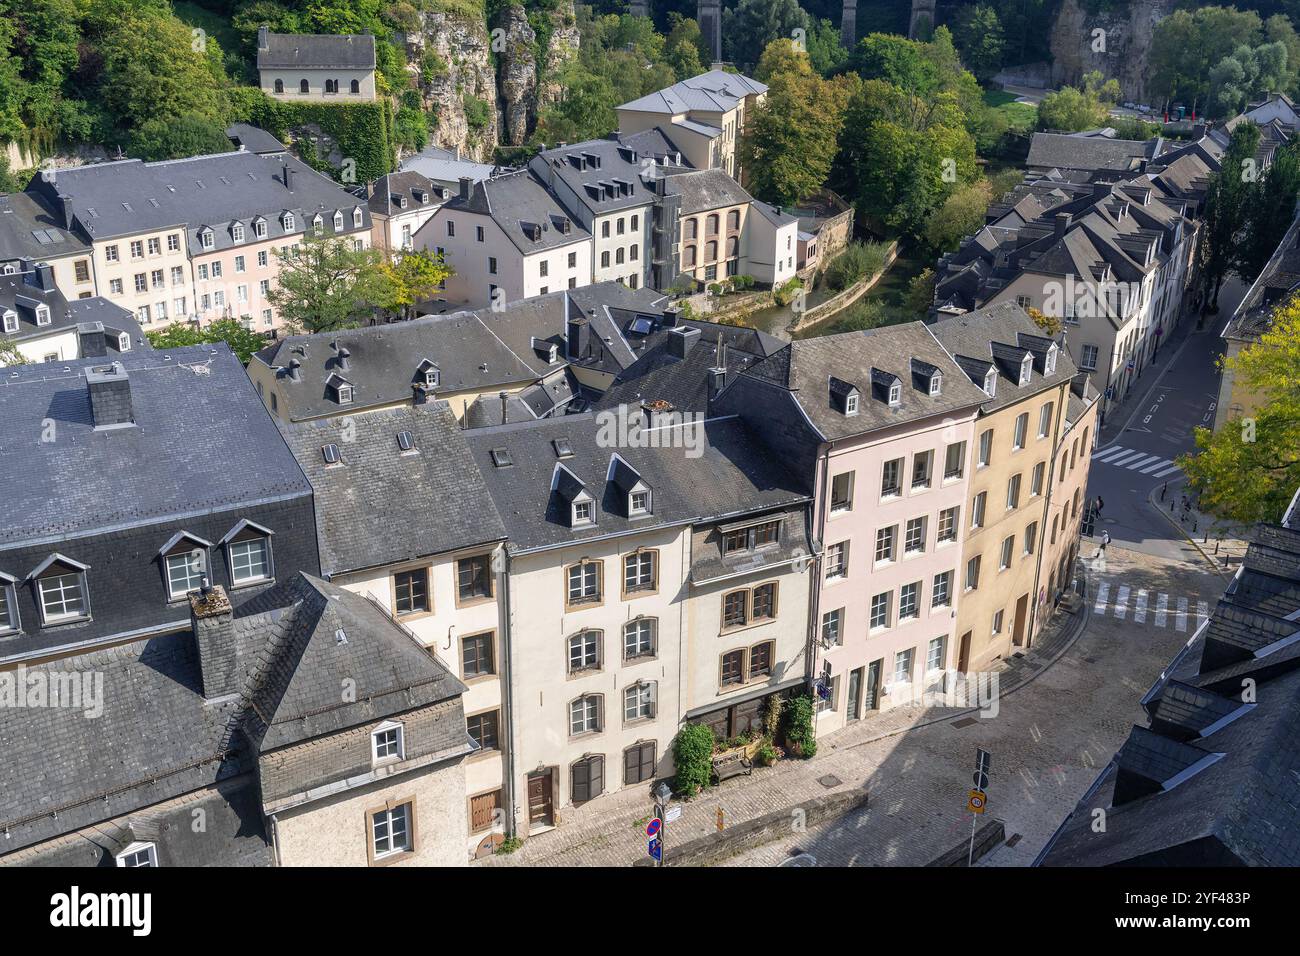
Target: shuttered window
<point x="482" y="809"/>
<point x="588" y="779"/>
<point x="639" y="763"/>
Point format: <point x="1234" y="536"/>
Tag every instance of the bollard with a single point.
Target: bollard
<point x="1217" y="542"/>
<point x="1193" y="526"/>
<point x="1163" y="489"/>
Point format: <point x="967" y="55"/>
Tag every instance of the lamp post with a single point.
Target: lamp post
<point x="662" y="794"/>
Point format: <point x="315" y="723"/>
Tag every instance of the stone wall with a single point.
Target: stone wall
<point x="1127" y="44"/>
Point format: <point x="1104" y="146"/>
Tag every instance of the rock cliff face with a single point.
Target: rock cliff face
<point x="458" y="82"/>
<point x="560" y="49"/>
<point x="516" y="76"/>
<point x="1127" y="43"/>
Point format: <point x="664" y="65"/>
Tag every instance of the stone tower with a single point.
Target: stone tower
<point x="849" y="24"/>
<point x="710" y="20"/>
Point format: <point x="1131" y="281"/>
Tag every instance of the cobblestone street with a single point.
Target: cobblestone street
<point x="1055" y="728"/>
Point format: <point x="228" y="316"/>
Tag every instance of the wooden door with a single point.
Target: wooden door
<point x="855" y="694"/>
<point x="963" y="653"/>
<point x="1022" y="610"/>
<point x="540" y="808"/>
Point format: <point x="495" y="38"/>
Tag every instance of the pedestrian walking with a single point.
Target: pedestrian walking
<point x="1105" y="540"/>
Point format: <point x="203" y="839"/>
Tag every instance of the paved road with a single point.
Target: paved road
<point x="1144" y="437"/>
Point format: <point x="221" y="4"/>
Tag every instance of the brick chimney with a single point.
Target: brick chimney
<point x="110" y="395"/>
<point x="263" y="39"/>
<point x="213" y="622"/>
<point x="466" y="187"/>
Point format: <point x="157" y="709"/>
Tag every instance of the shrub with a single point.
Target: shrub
<point x="693" y="756"/>
<point x="784" y="294"/>
<point x="859" y="260"/>
<point x="509" y="845"/>
<point x="766" y="755"/>
<point x="798" y="726"/>
<point x="772" y="716"/>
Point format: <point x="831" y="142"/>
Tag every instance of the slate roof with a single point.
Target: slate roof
<point x="1075" y="151"/>
<point x="716" y="91"/>
<point x="806" y="366"/>
<point x="978" y="334"/>
<point x="202" y="441"/>
<point x="518" y="202"/>
<point x="589" y="168"/>
<point x="254" y="139"/>
<point x="31" y="228"/>
<point x="317" y="51"/>
<point x="1276" y="283"/>
<point x="127" y="197"/>
<point x="380" y="505"/>
<point x="166" y="740"/>
<point x="446" y="167"/>
<point x="18" y="293"/>
<point x="733" y="475"/>
<point x="1211" y="781"/>
<point x="705" y="189"/>
<point x="708" y="563"/>
<point x="388" y="191"/>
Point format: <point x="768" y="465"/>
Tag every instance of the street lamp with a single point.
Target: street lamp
<point x="662" y="793"/>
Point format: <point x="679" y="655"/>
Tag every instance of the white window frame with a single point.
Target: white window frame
<point x="389" y="728"/>
<point x="404" y="812"/>
<point x="136" y="850"/>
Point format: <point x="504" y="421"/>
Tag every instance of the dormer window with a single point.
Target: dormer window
<point x="345" y="394"/>
<point x="42" y="315"/>
<point x="338" y="221"/>
<point x="387" y="743"/>
<point x="248" y="548"/>
<point x="318" y="225"/>
<point x="1049" y="362"/>
<point x="8" y="604"/>
<point x="237" y="232"/>
<point x="936" y="383"/>
<point x="895" y="393"/>
<point x="185" y="563"/>
<point x="11" y="321"/>
<point x="289" y="222"/>
<point x="123" y="342"/>
<point x="138" y="854"/>
<point x="851" y="405"/>
<point x="340" y="389"/>
<point x="553" y="354"/>
<point x="638" y="503"/>
<point x="584" y="513"/>
<point x="259" y="228"/>
<point x="1026" y="367"/>
<point x="990" y="383"/>
<point x="356" y="218"/>
<point x="428" y="374"/>
<point x="207" y="239"/>
<point x="62" y="594"/>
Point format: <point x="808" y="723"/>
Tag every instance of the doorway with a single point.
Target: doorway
<point x="1018" y="631"/>
<point x="855" y="694"/>
<point x="873" y="684"/>
<point x="963" y="653"/>
<point x="541" y="807"/>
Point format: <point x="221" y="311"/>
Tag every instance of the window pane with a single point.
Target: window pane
<point x="61" y="596"/>
<point x="412" y="591"/>
<point x="764" y="602"/>
<point x="734" y="609"/>
<point x="248" y="560"/>
<point x="477" y="655"/>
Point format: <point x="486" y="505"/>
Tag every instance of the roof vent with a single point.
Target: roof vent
<point x="405" y="441"/>
<point x="501" y="457"/>
<point x="563" y="448"/>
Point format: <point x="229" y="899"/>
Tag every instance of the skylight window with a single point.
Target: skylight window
<point x="501" y="457"/>
<point x="405" y="441"/>
<point x="331" y="454"/>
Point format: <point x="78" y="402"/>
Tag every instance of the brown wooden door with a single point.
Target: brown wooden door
<point x="539" y="798"/>
<point x="1022" y="609"/>
<point x="963" y="653"/>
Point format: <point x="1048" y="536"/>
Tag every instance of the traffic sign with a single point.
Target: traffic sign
<point x="656" y="849"/>
<point x="983" y="760"/>
<point x="652" y="828"/>
<point x="981" y="780"/>
<point x="975" y="802"/>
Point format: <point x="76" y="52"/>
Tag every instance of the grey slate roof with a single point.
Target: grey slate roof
<point x="381" y="505"/>
<point x="713" y="92"/>
<point x="157" y="738"/>
<point x="388" y="191"/>
<point x="806" y="366"/>
<point x="254" y="139"/>
<point x="980" y="335"/>
<point x="589" y="166"/>
<point x="31" y="228"/>
<point x="216" y="191"/>
<point x="518" y="203"/>
<point x="202" y="440"/>
<point x="19" y="292"/>
<point x="1075" y="151"/>
<point x="316" y="51"/>
<point x="733" y="475"/>
<point x="704" y="189"/>
<point x="446" y="167"/>
<point x="1212" y="780"/>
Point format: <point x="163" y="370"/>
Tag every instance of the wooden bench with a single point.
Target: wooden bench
<point x="732" y="764"/>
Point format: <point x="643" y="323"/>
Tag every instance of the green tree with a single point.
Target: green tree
<point x="413" y="278"/>
<point x="585" y="112"/>
<point x="1270" y="210"/>
<point x="9" y="354"/>
<point x="1227" y="205"/>
<point x="243" y="342"/>
<point x="1071" y="109"/>
<point x="961" y="214"/>
<point x="977" y="31"/>
<point x="825" y="51"/>
<point x="1248" y="470"/>
<point x="790" y="138"/>
<point x="920" y="293"/>
<point x="753" y="25"/>
<point x="683" y="49"/>
<point x="326" y="284"/>
<point x="188" y="135"/>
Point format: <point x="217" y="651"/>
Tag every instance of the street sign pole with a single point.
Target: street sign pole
<point x="970" y="854"/>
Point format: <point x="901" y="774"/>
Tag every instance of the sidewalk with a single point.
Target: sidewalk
<point x="610" y="831"/>
<point x="1220" y="543"/>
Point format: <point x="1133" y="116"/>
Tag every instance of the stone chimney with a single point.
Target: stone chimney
<point x="505" y="407"/>
<point x="466" y="187"/>
<point x="288" y="177"/>
<point x="579" y="337"/>
<point x="681" y="341"/>
<point x="41" y="277"/>
<point x="1062" y="223"/>
<point x="263" y="38"/>
<point x="110" y="395"/>
<point x="90" y="337"/>
<point x="213" y="622"/>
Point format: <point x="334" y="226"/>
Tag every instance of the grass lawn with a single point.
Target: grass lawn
<point x="1021" y="116"/>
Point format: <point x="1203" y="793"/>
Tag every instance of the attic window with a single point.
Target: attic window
<point x="206" y="239"/>
<point x="386" y="743"/>
<point x="405" y="441"/>
<point x="338" y="221"/>
<point x="1049" y="363"/>
<point x="896" y="393"/>
<point x="936" y="383"/>
<point x="345" y="394"/>
<point x="356" y="218"/>
<point x="990" y="382"/>
<point x="42" y="315"/>
<point x="237" y="232"/>
<point x="11" y="321"/>
<point x="851" y="405"/>
<point x="138" y="854"/>
<point x="563" y="448"/>
<point x="638" y="503"/>
<point x="123" y="342"/>
<point x="1026" y="367"/>
<point x="583" y="513"/>
<point x="331" y="454"/>
<point x="288" y="222"/>
<point x="501" y="457"/>
<point x="431" y="376"/>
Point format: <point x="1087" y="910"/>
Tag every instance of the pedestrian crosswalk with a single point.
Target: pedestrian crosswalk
<point x="1141" y="462"/>
<point x="1121" y="600"/>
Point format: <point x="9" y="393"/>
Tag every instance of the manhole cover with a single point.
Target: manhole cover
<point x="829" y="781"/>
<point x="964" y="722"/>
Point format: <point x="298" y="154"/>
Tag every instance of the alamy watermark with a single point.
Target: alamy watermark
<point x="652" y="425"/>
<point x="42" y="688"/>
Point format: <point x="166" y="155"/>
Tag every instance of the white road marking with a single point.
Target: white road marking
<point x="1180" y="619"/>
<point x="1121" y="459"/>
<point x="1167" y="471"/>
<point x="1162" y="609"/>
<point x="1157" y="464"/>
<point x="1103" y="592"/>
<point x="1121" y="602"/>
<point x="1142" y="462"/>
<point x="1107" y="452"/>
<point x="1202" y="613"/>
<point x="1140" y="611"/>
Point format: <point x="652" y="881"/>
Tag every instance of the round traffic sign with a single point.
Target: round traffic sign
<point x="652" y="828"/>
<point x="976" y="801"/>
<point x="981" y="780"/>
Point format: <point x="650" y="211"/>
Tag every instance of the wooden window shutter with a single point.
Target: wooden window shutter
<point x="581" y="781"/>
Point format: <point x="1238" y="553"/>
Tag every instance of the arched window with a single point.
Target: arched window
<point x="712" y="229"/>
<point x="331" y="86"/>
<point x="733" y="219"/>
<point x="303" y="87"/>
<point x="733" y="246"/>
<point x="688" y="257"/>
<point x="711" y="252"/>
<point x="692" y="228"/>
<point x="356" y="87"/>
<point x="279" y="86"/>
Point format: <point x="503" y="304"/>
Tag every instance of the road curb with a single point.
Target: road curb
<point x="1209" y="558"/>
<point x="1187" y="340"/>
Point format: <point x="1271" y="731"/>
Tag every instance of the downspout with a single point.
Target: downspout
<point x="275" y="840"/>
<point x="818" y="517"/>
<point x="507" y="688"/>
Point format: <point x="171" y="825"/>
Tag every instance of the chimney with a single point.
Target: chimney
<point x="344" y="364"/>
<point x="288" y="177"/>
<point x="419" y="394"/>
<point x="263" y="40"/>
<point x="213" y="622"/>
<point x="466" y="187"/>
<point x="579" y="337"/>
<point x="66" y="202"/>
<point x="717" y="381"/>
<point x="1063" y="220"/>
<point x="672" y="315"/>
<point x="41" y="277"/>
<point x="295" y="370"/>
<point x="110" y="395"/>
<point x="90" y="339"/>
<point x="505" y="404"/>
<point x="681" y="341"/>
